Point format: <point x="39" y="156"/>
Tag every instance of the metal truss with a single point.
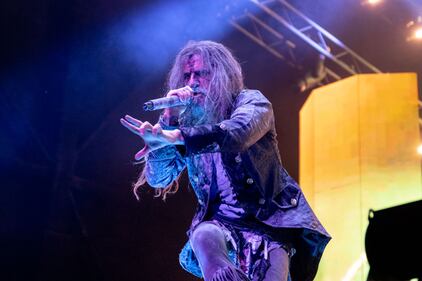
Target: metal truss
<point x="265" y="28"/>
<point x="343" y="61"/>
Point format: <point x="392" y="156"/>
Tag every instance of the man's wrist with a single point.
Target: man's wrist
<point x="174" y="137"/>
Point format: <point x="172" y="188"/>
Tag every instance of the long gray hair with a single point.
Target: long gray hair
<point x="226" y="82"/>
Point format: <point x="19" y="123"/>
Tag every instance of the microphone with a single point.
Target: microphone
<point x="167" y="102"/>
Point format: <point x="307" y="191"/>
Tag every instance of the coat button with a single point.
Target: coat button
<point x="249" y="181"/>
<point x="238" y="159"/>
<point x="223" y="126"/>
<point x="261" y="201"/>
<point x="293" y="201"/>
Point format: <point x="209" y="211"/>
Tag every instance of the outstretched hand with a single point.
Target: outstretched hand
<point x="153" y="135"/>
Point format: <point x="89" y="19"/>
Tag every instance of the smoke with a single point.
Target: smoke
<point x="153" y="35"/>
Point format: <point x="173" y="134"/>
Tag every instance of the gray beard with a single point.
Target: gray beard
<point x="194" y="114"/>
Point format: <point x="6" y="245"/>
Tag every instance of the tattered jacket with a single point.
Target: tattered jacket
<point x="248" y="146"/>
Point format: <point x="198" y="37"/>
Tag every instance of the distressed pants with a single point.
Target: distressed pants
<point x="209" y="244"/>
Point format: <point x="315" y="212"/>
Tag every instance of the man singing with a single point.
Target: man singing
<point x="252" y="221"/>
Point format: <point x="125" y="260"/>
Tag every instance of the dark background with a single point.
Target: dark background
<point x="70" y="69"/>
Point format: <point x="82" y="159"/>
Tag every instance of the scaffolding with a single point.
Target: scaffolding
<point x="342" y="61"/>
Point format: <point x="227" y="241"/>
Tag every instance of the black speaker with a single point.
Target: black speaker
<point x="393" y="243"/>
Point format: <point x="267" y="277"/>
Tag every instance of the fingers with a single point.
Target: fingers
<point x="142" y="153"/>
<point x="132" y="128"/>
<point x="156" y="129"/>
<point x="172" y="93"/>
<point x="185" y="94"/>
<point x="145" y="127"/>
<point x="138" y="127"/>
<point x="133" y="121"/>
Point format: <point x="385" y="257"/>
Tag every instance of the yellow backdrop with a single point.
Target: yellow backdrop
<point x="358" y="141"/>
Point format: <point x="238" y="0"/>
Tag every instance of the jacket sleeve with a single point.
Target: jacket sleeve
<point x="250" y="120"/>
<point x="164" y="165"/>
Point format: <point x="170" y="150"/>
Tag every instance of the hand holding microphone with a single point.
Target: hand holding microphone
<point x="176" y="97"/>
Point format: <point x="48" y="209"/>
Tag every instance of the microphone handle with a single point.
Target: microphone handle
<point x="166" y="102"/>
<point x="161" y="103"/>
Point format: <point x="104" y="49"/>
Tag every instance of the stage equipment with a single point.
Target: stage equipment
<point x="415" y="29"/>
<point x="342" y="61"/>
<point x="419" y="149"/>
<point x="371" y="2"/>
<point x="393" y="243"/>
<point x="314" y="77"/>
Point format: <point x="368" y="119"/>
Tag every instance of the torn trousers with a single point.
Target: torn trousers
<point x="257" y="256"/>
